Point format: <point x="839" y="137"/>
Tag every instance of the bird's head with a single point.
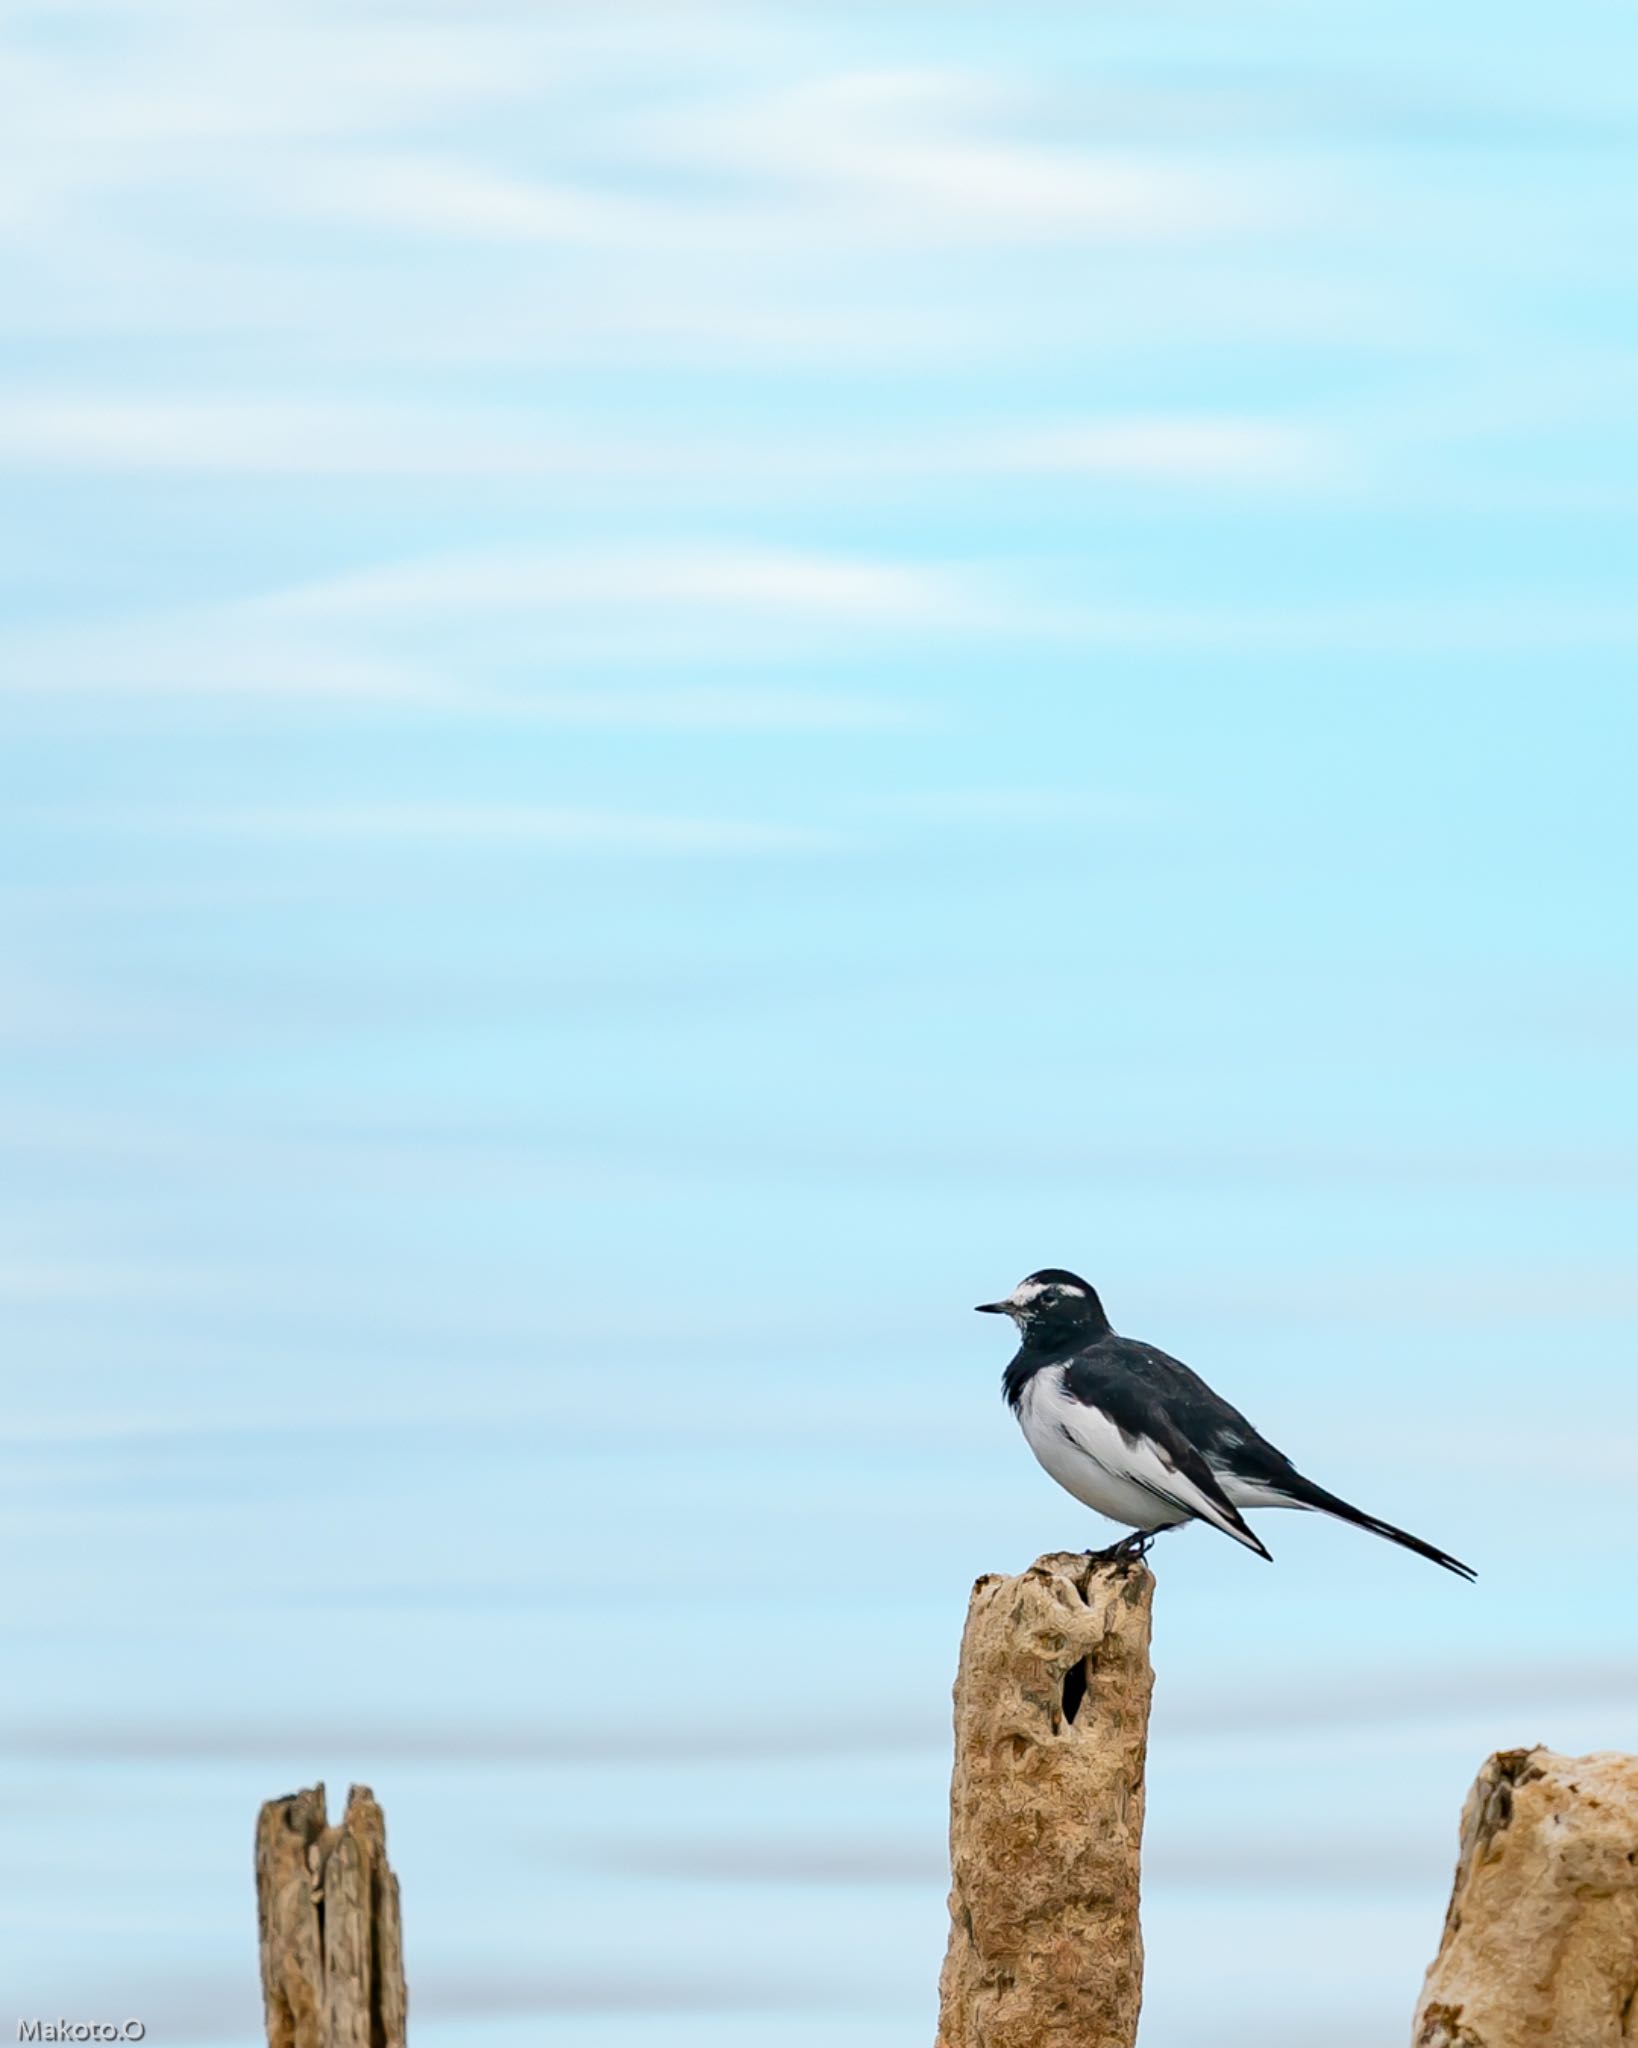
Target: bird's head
<point x="1048" y="1303"/>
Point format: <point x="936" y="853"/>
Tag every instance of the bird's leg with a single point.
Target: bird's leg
<point x="1127" y="1551"/>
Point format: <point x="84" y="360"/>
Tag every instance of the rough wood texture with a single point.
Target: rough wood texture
<point x="1540" y="1947"/>
<point x="1046" y="1810"/>
<point x="327" y="1907"/>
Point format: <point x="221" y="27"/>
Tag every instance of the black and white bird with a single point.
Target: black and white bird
<point x="1140" y="1437"/>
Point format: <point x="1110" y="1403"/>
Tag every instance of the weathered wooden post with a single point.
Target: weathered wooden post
<point x="1046" y="1809"/>
<point x="1540" y="1947"/>
<point x="327" y="1909"/>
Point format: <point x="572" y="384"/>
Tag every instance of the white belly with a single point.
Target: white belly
<point x="1088" y="1456"/>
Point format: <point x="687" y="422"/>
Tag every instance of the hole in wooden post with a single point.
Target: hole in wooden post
<point x="1075" y="1688"/>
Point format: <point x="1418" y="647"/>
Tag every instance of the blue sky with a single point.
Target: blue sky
<point x="683" y="685"/>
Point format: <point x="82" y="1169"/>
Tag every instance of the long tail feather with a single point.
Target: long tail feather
<point x="1306" y="1494"/>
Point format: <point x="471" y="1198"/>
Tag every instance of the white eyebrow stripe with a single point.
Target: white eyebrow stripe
<point x="1031" y="1290"/>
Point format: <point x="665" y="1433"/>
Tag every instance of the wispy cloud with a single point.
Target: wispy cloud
<point x="1523" y="622"/>
<point x="227" y="656"/>
<point x="38" y="1281"/>
<point x="549" y="828"/>
<point x="562" y="828"/>
<point x="270" y="435"/>
<point x="182" y="79"/>
<point x="1203" y="448"/>
<point x="426" y="195"/>
<point x="742" y="580"/>
<point x="1386" y="1698"/>
<point x="211" y="654"/>
<point x="888" y="1856"/>
<point x="364" y="635"/>
<point x="881" y="1857"/>
<point x="273" y="435"/>
<point x="913" y="152"/>
<point x="1397" y="1695"/>
<point x="187" y="2004"/>
<point x="286" y="1740"/>
<point x="326" y="117"/>
<point x="738" y="192"/>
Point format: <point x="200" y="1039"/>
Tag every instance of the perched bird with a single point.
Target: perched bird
<point x="1140" y="1437"/>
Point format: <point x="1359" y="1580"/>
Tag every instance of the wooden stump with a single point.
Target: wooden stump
<point x="327" y="1909"/>
<point x="1540" y="1947"/>
<point x="1046" y="1809"/>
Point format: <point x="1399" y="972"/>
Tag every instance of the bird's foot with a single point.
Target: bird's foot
<point x="1129" y="1551"/>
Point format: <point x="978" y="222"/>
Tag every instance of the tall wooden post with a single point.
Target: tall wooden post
<point x="327" y="1908"/>
<point x="1046" y="1809"/>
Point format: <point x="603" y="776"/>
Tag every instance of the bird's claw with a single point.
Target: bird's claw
<point x="1130" y="1550"/>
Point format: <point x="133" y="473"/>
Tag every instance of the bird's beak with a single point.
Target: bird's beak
<point x="990" y="1308"/>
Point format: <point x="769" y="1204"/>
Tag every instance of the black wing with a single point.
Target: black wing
<point x="1154" y="1399"/>
<point x="1225" y="1439"/>
<point x="1121" y="1370"/>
